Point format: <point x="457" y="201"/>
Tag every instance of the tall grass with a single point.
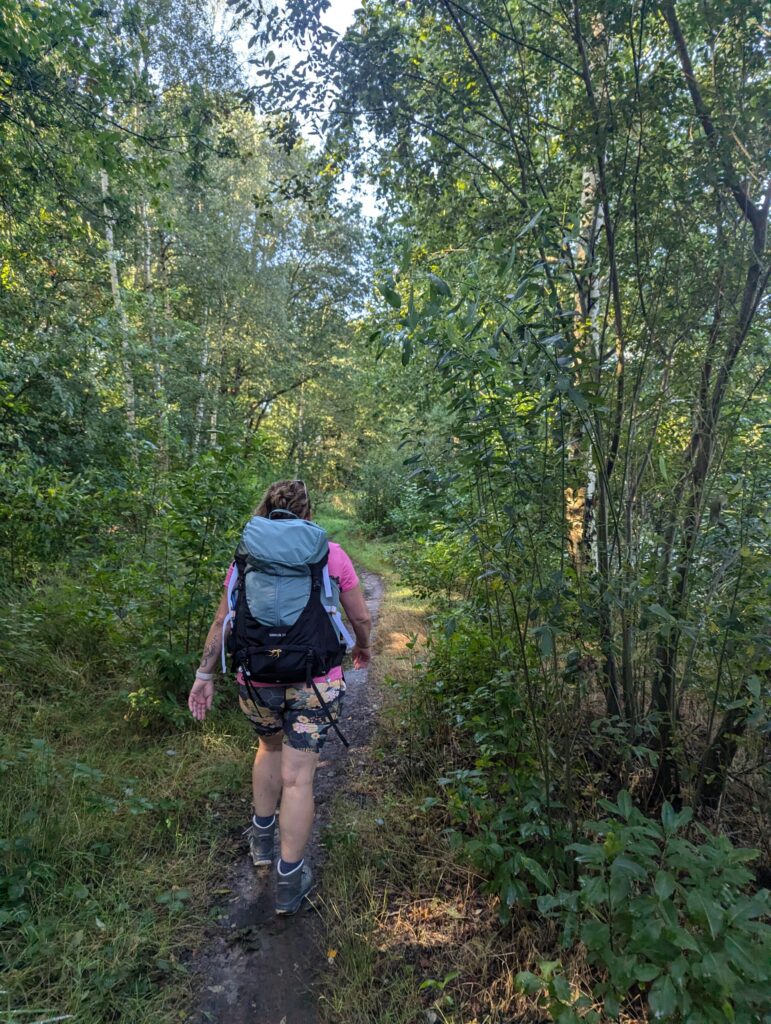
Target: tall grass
<point x="110" y="832"/>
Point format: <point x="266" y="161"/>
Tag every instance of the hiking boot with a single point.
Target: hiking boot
<point x="292" y="889"/>
<point x="261" y="843"/>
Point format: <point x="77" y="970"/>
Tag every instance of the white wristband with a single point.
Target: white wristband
<point x="206" y="676"/>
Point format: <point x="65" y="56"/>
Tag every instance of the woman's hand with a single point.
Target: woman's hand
<point x="200" y="698"/>
<point x="361" y="656"/>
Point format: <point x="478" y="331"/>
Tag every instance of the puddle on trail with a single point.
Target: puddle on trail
<point x="257" y="968"/>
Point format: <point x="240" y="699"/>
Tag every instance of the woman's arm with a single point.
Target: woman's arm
<point x="355" y="607"/>
<point x="202" y="691"/>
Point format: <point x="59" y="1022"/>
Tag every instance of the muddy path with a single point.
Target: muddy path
<point x="255" y="967"/>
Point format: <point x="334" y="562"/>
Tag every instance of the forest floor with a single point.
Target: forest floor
<point x="253" y="966"/>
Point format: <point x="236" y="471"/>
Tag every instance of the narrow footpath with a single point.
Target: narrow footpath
<point x="257" y="968"/>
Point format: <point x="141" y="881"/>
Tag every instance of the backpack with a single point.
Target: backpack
<point x="283" y="605"/>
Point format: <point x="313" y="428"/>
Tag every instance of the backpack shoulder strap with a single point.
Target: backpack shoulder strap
<point x="332" y="610"/>
<point x="232" y="584"/>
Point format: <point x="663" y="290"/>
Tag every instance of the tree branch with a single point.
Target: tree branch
<point x="753" y="214"/>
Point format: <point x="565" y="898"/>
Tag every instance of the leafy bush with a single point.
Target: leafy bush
<point x="514" y="844"/>
<point x="665" y="920"/>
<point x="133" y="602"/>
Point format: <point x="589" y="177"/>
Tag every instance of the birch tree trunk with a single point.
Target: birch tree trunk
<point x="579" y="503"/>
<point x="606" y="447"/>
<point x="300" y="431"/>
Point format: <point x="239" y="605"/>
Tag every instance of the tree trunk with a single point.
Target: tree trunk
<point x="147" y="284"/>
<point x="719" y="756"/>
<point x="579" y="503"/>
<point x="202" y="373"/>
<point x="700" y="451"/>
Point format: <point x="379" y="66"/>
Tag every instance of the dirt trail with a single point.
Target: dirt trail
<point x="258" y="968"/>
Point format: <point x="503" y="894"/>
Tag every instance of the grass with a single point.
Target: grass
<point x="369" y="980"/>
<point x="414" y="938"/>
<point x="112" y="832"/>
<point x="112" y="840"/>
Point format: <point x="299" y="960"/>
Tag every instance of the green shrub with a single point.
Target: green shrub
<point x="665" y="920"/>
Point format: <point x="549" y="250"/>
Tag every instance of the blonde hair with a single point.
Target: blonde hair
<point x="287" y="496"/>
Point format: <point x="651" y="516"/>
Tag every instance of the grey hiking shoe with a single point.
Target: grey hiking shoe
<point x="292" y="889"/>
<point x="261" y="843"/>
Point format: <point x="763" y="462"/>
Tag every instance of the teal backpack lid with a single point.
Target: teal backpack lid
<point x="279" y="553"/>
<point x="283" y="547"/>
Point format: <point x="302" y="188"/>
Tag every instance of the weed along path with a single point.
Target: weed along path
<point x="255" y="967"/>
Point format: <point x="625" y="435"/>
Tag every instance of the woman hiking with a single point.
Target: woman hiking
<point x="291" y="720"/>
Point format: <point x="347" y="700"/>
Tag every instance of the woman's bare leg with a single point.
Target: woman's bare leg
<point x="298" y="768"/>
<point x="266" y="775"/>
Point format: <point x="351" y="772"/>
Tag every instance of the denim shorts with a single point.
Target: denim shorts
<point x="295" y="710"/>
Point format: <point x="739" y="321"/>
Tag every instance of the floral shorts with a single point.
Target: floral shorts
<point x="295" y="709"/>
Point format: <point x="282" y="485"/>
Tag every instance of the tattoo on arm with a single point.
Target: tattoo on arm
<point x="209" y="652"/>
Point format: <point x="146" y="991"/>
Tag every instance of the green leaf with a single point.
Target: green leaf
<point x="595" y="935"/>
<point x="646" y="972"/>
<point x="534" y="868"/>
<point x="664" y="885"/>
<point x="548" y="967"/>
<point x="679" y="971"/>
<point x="577" y="398"/>
<point x="440" y="286"/>
<point x="626" y="866"/>
<point x="392" y="297"/>
<point x="528" y="983"/>
<point x="683" y="818"/>
<point x="741" y="957"/>
<point x="704" y="909"/>
<point x="668" y="817"/>
<point x="531" y="223"/>
<point x="612" y="1007"/>
<point x="684" y="939"/>
<point x="545" y="640"/>
<point x="662" y="998"/>
<point x="561" y="988"/>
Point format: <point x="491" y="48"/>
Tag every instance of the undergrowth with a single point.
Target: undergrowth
<point x="452" y="897"/>
<point x="111" y="841"/>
